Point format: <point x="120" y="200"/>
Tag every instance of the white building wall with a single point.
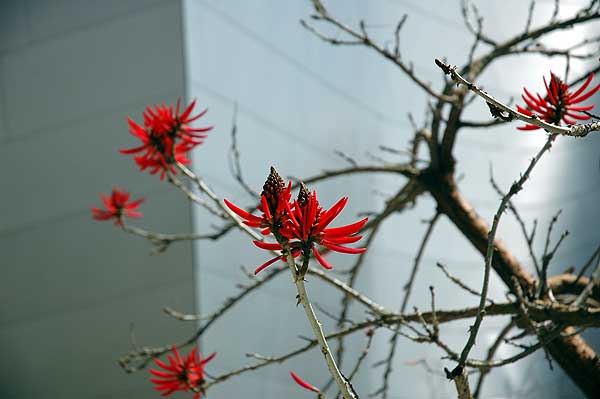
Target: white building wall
<point x="298" y="100"/>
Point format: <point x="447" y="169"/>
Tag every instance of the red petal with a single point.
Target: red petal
<point x="177" y="356"/>
<point x="208" y="359"/>
<point x="268" y="263"/>
<point x="528" y="127"/>
<point x="134" y="204"/>
<point x="291" y="215"/>
<point x="584" y="85"/>
<point x="585" y="108"/>
<point x="578" y="116"/>
<point x="585" y="96"/>
<point x="164" y="365"/>
<point x="136" y="130"/>
<point x="200" y="115"/>
<point x="107" y="201"/>
<point x="268" y="246"/>
<point x="162" y="374"/>
<point x="551" y="95"/>
<point x="314" y="206"/>
<point x="101" y="214"/>
<point x="524" y="111"/>
<point x="532" y="105"/>
<point x="321" y="260"/>
<point x="127" y="151"/>
<point x="538" y="100"/>
<point x="158" y="381"/>
<point x="265" y="208"/>
<point x="342" y="240"/>
<point x="198" y="130"/>
<point x="303" y="383"/>
<point x="328" y="216"/>
<point x="133" y="214"/>
<point x="345" y="230"/>
<point x="170" y="386"/>
<point x="345" y="250"/>
<point x="188" y="111"/>
<point x="242" y="213"/>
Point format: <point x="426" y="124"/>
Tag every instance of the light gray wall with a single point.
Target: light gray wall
<point x="298" y="100"/>
<point x="70" y="71"/>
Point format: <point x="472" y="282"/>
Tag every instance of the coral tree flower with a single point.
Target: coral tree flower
<point x="180" y="374"/>
<point x="117" y="205"/>
<point x="302" y="223"/>
<point x="274" y="199"/>
<point x="166" y="137"/>
<point x="303" y="383"/>
<point x="558" y="103"/>
<point x="308" y="223"/>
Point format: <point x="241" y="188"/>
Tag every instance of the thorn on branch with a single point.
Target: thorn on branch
<point x="497" y="113"/>
<point x="444" y="67"/>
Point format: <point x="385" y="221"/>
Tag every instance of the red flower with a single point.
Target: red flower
<point x="303" y="222"/>
<point x="274" y="199"/>
<point x="181" y="374"/>
<point x="308" y="223"/>
<point x="558" y="104"/>
<point x="166" y="138"/>
<point x="117" y="206"/>
<point x="303" y="383"/>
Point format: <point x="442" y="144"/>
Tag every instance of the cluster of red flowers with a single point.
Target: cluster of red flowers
<point x="117" y="205"/>
<point x="302" y="222"/>
<point x="558" y="103"/>
<point x="181" y="374"/>
<point x="166" y="137"/>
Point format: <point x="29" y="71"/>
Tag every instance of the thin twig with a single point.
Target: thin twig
<point x="514" y="189"/>
<point x="459" y="282"/>
<point x="361" y="37"/>
<point x="528" y="236"/>
<point x="548" y="255"/>
<point x="342" y="383"/>
<point x="490" y="355"/>
<point x="588" y="264"/>
<point x="234" y="159"/>
<point x="588" y="288"/>
<point x="580" y="130"/>
<point x="162" y="240"/>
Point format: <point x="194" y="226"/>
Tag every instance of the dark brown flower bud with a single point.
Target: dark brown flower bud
<point x="303" y="195"/>
<point x="273" y="187"/>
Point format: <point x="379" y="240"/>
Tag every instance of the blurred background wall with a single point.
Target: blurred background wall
<point x="70" y="71"/>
